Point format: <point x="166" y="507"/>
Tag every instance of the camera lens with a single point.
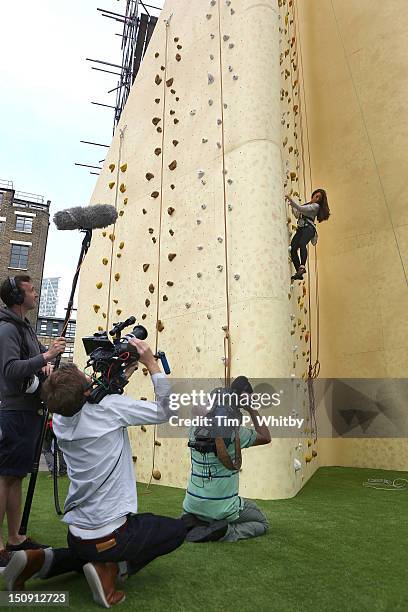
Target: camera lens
<point x="139" y="332"/>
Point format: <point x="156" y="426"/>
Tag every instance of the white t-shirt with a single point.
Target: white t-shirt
<point x="98" y="455"/>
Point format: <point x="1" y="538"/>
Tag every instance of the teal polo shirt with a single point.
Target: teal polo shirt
<point x="212" y="491"/>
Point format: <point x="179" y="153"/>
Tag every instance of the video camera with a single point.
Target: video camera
<point x="109" y="359"/>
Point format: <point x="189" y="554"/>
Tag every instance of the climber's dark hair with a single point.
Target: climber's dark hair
<point x="324" y="210"/>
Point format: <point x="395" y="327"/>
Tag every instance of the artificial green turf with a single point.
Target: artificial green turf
<point x="336" y="546"/>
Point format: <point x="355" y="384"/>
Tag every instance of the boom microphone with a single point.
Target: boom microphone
<point x="86" y="217"/>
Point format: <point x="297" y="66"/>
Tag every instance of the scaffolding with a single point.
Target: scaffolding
<point x="138" y="26"/>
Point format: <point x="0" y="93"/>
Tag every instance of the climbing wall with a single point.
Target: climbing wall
<point x="355" y="61"/>
<point x="197" y="171"/>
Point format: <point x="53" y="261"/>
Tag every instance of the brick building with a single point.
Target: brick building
<point x="24" y="222"/>
<point x="49" y="328"/>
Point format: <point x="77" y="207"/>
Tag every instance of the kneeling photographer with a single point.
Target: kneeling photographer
<point x="106" y="538"/>
<point x="212" y="493"/>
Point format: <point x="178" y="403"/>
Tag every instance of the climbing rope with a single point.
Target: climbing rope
<point x="226" y="328"/>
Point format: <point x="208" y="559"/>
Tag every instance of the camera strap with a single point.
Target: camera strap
<point x="224" y="456"/>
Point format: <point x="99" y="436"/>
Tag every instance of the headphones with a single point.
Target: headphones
<point x="16" y="294"/>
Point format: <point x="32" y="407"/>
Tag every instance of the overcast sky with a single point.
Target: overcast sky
<point x="45" y="106"/>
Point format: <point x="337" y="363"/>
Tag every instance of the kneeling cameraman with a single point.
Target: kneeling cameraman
<point x="105" y="536"/>
<point x="212" y="492"/>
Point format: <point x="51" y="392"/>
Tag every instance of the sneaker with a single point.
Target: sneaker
<point x="28" y="544"/>
<point x="4" y="559"/>
<point x="190" y="521"/>
<point x="210" y="533"/>
<point x="101" y="579"/>
<point x="23" y="565"/>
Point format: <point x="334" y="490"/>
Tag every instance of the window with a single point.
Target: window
<point x="71" y="330"/>
<point x="69" y="352"/>
<point x="2" y="225"/>
<point x="19" y="256"/>
<point x="24" y="224"/>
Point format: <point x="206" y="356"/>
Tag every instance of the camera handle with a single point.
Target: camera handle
<point x="34" y="473"/>
<point x="162" y="356"/>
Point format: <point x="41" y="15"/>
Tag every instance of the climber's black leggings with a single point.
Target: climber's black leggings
<point x="299" y="241"/>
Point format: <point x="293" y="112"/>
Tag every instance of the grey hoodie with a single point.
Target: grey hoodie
<point x="13" y="370"/>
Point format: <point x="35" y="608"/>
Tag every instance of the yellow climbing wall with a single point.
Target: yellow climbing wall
<point x="199" y="253"/>
<point x="355" y="57"/>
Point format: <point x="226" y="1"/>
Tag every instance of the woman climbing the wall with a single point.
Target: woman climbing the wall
<point x="306" y="214"/>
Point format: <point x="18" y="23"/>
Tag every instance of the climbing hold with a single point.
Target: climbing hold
<point x="225" y="105"/>
<point x="173" y="91"/>
<point x="208" y="316"/>
<point x="170" y="210"/>
<point x="225" y="37"/>
<point x="198" y="349"/>
<point x="314" y="453"/>
<point x="147" y="302"/>
<point x="176" y="39"/>
<point x="154" y="240"/>
<point x="172" y="186"/>
<point x="144" y="211"/>
<point x="157" y="100"/>
<point x="117" y="276"/>
<point x="121" y="213"/>
<point x="157" y="151"/>
<point x="211" y="57"/>
<point x="143" y="316"/>
<point x="210" y="102"/>
<point x="157" y="443"/>
<point x="143" y="428"/>
<point x="236" y="277"/>
<point x="232" y="12"/>
<point x="203" y="206"/>
<point x="230" y="181"/>
<point x="122" y="188"/>
<point x="171" y="256"/>
<point x="179" y="46"/>
<point x="156" y="474"/>
<point x="159" y="130"/>
<point x="112" y="237"/>
<point x="200" y="173"/>
<point x="96" y="307"/>
<point x="118" y="312"/>
<point x="235" y="77"/>
<point x="212" y="36"/>
<point x="116" y="301"/>
<point x="105" y="261"/>
<point x="149" y="176"/>
<point x="308" y="458"/>
<point x="219" y="145"/>
<point x="111" y="167"/>
<point x="188" y="305"/>
<point x="307" y="337"/>
<point x="231" y="46"/>
<point x="123" y="168"/>
<point x="159" y="326"/>
<point x="193" y="112"/>
<point x="173" y="165"/>
<point x="175" y="142"/>
<point x="178" y="57"/>
<point x="111" y="185"/>
<point x="169" y="82"/>
<point x="151" y="230"/>
<point x="204" y="140"/>
<point x="156" y="120"/>
<point x="199" y="274"/>
<point x="208" y="16"/>
<point x="121" y="245"/>
<point x="151" y="288"/>
<point x="104" y="315"/>
<point x="165" y="298"/>
<point x="198" y="221"/>
<point x="220" y="268"/>
<point x="210" y="79"/>
<point x="176" y="121"/>
<point x="172" y="112"/>
<point x="145" y="267"/>
<point x="219" y="121"/>
<point x="154" y="194"/>
<point x="162" y="68"/>
<point x="220" y="238"/>
<point x="125" y="201"/>
<point x="156" y="54"/>
<point x="177" y="98"/>
<point x="200" y="247"/>
<point x="158" y="79"/>
<point x="169" y="283"/>
<point x="104" y="234"/>
<point x="171" y="232"/>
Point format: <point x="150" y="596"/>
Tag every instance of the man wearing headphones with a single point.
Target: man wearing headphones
<point x="22" y="358"/>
